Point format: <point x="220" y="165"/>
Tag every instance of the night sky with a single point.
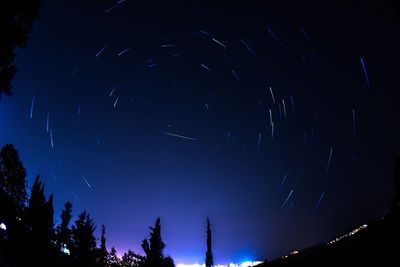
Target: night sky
<point x="165" y="110"/>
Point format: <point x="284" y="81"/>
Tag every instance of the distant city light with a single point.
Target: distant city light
<point x="190" y="265"/>
<point x="349" y="234"/>
<point x="362" y="227"/>
<point x="3" y="226"/>
<point x="243" y="264"/>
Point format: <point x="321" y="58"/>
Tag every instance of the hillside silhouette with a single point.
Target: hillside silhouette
<point x="376" y="243"/>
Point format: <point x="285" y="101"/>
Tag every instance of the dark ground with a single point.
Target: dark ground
<point x="376" y="245"/>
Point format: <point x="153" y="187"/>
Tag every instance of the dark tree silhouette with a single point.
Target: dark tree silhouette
<point x="129" y="259"/>
<point x="30" y="238"/>
<point x="103" y="250"/>
<point x="39" y="214"/>
<point x="63" y="230"/>
<point x="39" y="219"/>
<point x="209" y="256"/>
<point x="13" y="197"/>
<point x="113" y="259"/>
<point x="13" y="178"/>
<point x="16" y="21"/>
<point x="153" y="248"/>
<point x="84" y="242"/>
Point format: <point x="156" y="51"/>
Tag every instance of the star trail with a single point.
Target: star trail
<point x="279" y="124"/>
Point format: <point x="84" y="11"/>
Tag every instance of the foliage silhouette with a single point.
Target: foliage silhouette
<point x="209" y="256"/>
<point x="84" y="242"/>
<point x="39" y="220"/>
<point x="30" y="232"/>
<point x="153" y="248"/>
<point x="13" y="178"/>
<point x="16" y="21"/>
<point x="63" y="231"/>
<point x="13" y="197"/>
<point x="113" y="259"/>
<point x="129" y="259"/>
<point x="103" y="250"/>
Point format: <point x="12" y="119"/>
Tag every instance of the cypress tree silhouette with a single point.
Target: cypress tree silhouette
<point x="84" y="242"/>
<point x="209" y="256"/>
<point x="153" y="248"/>
<point x="63" y="230"/>
<point x="16" y="20"/>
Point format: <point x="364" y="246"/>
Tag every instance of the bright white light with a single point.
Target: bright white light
<point x="190" y="265"/>
<point x="250" y="263"/>
<point x="3" y="226"/>
<point x="243" y="264"/>
<point x="65" y="250"/>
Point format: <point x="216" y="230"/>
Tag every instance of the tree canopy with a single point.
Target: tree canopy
<point x="16" y="23"/>
<point x="153" y="248"/>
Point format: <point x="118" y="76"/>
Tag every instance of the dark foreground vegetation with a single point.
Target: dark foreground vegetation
<point x="16" y="23"/>
<point x="28" y="236"/>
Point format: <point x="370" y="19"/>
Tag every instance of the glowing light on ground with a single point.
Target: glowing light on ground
<point x="243" y="264"/>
